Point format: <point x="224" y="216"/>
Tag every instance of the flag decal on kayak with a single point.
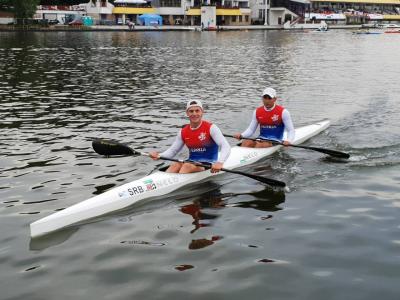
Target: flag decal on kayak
<point x="150" y="185"/>
<point x="248" y="157"/>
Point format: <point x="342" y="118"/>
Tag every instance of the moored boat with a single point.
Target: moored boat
<point x="393" y="31"/>
<point x="156" y="184"/>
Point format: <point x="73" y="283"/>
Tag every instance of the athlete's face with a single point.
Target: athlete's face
<point x="194" y="114"/>
<point x="268" y="101"/>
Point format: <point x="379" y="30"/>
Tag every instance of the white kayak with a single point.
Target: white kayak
<point x="156" y="184"/>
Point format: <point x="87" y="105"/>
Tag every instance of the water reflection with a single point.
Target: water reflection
<point x="212" y="200"/>
<point x="265" y="200"/>
<point x="206" y="208"/>
<point x="202" y="243"/>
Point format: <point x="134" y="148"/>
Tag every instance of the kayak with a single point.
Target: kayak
<point x="366" y="32"/>
<point x="156" y="184"/>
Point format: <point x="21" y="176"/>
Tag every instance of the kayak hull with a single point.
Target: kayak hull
<point x="156" y="184"/>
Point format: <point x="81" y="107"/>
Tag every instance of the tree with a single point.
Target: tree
<point x="6" y="5"/>
<point x="25" y="9"/>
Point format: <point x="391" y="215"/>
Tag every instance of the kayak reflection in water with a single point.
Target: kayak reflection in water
<point x="273" y="120"/>
<point x="195" y="210"/>
<point x="211" y="200"/>
<point x="203" y="140"/>
<point x="265" y="200"/>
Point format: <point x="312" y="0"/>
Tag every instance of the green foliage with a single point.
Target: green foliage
<point x="6" y="5"/>
<point x="24" y="9"/>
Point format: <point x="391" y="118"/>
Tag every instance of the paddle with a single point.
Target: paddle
<point x="109" y="147"/>
<point x="330" y="152"/>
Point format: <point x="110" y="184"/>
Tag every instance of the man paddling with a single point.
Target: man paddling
<point x="203" y="140"/>
<point x="273" y="119"/>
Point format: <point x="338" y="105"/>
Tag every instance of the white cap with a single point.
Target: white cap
<point x="192" y="103"/>
<point x="270" y="92"/>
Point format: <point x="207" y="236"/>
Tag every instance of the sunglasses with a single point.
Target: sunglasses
<point x="267" y="97"/>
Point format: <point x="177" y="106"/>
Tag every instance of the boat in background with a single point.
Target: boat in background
<point x="392" y="31"/>
<point x="366" y="31"/>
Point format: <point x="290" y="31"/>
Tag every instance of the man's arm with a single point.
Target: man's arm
<point x="222" y="143"/>
<point x="175" y="148"/>
<point x="252" y="127"/>
<point x="287" y="121"/>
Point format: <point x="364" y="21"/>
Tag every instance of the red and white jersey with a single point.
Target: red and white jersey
<point x="200" y="143"/>
<point x="203" y="143"/>
<point x="271" y="124"/>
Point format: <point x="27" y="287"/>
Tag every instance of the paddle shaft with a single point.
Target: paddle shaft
<point x="334" y="153"/>
<point x="108" y="148"/>
<point x="208" y="166"/>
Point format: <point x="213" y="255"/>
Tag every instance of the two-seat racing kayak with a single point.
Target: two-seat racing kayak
<point x="157" y="184"/>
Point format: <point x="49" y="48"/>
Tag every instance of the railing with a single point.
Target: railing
<point x="60" y="7"/>
<point x="220" y="7"/>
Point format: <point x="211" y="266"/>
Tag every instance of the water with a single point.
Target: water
<point x="334" y="236"/>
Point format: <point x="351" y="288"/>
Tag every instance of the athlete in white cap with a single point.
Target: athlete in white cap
<point x="203" y="140"/>
<point x="273" y="120"/>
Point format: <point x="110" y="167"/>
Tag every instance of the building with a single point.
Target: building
<point x="209" y="14"/>
<point x="184" y="12"/>
<point x="62" y="13"/>
<point x="343" y="12"/>
<point x="355" y="11"/>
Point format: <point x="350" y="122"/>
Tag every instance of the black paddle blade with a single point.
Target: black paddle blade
<point x="330" y="152"/>
<point x="109" y="147"/>
<point x="269" y="181"/>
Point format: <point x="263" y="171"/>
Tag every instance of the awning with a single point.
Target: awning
<point x="391" y="17"/>
<point x="129" y="2"/>
<point x="134" y="10"/>
<point x="150" y="19"/>
<point x="397" y="2"/>
<point x="193" y="12"/>
<point x="219" y="12"/>
<point x="228" y="12"/>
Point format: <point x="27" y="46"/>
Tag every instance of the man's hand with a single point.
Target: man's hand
<point x="237" y="136"/>
<point x="154" y="155"/>
<point x="216" y="167"/>
<point x="286" y="143"/>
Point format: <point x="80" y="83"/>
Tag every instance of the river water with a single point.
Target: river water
<point x="335" y="235"/>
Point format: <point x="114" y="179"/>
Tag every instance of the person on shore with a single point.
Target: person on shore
<point x="273" y="120"/>
<point x="131" y="25"/>
<point x="202" y="138"/>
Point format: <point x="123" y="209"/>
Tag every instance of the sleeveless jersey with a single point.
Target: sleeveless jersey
<point x="271" y="124"/>
<point x="200" y="143"/>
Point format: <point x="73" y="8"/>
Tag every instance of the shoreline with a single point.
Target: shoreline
<point x="121" y="28"/>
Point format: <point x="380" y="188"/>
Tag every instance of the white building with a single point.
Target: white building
<point x="63" y="14"/>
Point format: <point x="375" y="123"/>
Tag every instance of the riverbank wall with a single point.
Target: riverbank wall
<point x="57" y="28"/>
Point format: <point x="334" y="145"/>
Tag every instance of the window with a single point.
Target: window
<point x="233" y="18"/>
<point x="170" y="3"/>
